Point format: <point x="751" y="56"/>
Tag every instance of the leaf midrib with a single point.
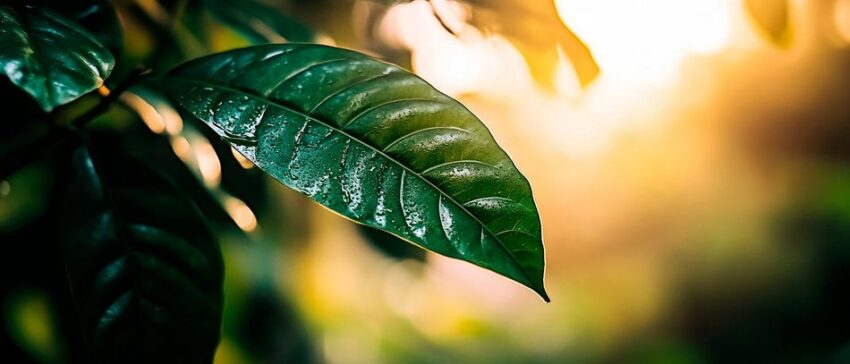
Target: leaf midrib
<point x="375" y="149"/>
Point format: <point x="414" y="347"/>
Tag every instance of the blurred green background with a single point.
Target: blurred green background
<point x="695" y="194"/>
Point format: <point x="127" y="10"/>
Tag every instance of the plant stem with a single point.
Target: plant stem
<point x="133" y="78"/>
<point x="61" y="137"/>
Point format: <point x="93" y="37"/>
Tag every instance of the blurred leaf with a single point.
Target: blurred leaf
<point x="537" y="31"/>
<point x="49" y="56"/>
<point x="179" y="32"/>
<point x="771" y="19"/>
<point x="97" y="16"/>
<point x="146" y="272"/>
<point x="373" y="143"/>
<point x="22" y="196"/>
<point x="100" y="18"/>
<point x="32" y="324"/>
<point x="156" y="152"/>
<point x="270" y="330"/>
<point x="260" y="23"/>
<point x="30" y="264"/>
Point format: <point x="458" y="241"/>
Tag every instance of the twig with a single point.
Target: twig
<point x="133" y="78"/>
<point x="60" y="137"/>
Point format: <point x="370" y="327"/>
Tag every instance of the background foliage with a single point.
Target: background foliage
<point x="693" y="192"/>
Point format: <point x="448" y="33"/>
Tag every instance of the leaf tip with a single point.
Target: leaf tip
<point x="539" y="288"/>
<point x="542" y="293"/>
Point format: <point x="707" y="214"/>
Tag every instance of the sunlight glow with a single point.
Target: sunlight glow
<point x="646" y="41"/>
<point x="641" y="48"/>
<point x="842" y="19"/>
<point x="243" y="162"/>
<point x="208" y="163"/>
<point x="150" y="116"/>
<point x="173" y="121"/>
<point x="182" y="149"/>
<point x="240" y="213"/>
<point x="454" y="64"/>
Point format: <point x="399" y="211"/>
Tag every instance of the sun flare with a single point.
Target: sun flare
<point x="646" y="41"/>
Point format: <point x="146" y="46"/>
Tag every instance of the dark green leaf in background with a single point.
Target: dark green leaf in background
<point x="49" y="56"/>
<point x="145" y="270"/>
<point x="156" y="152"/>
<point x="99" y="17"/>
<point x="260" y="23"/>
<point x="373" y="143"/>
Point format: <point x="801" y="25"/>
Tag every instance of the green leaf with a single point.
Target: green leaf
<point x="145" y="270"/>
<point x="260" y="23"/>
<point x="99" y="17"/>
<point x="50" y="57"/>
<point x="373" y="143"/>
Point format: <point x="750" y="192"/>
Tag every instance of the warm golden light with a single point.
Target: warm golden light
<point x="240" y="213"/>
<point x="182" y="148"/>
<point x="646" y="41"/>
<point x="150" y="116"/>
<point x="173" y="121"/>
<point x="103" y="91"/>
<point x="208" y="162"/>
<point x="467" y="62"/>
<point x="842" y="19"/>
<point x="243" y="162"/>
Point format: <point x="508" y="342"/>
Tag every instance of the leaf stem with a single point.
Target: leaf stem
<point x="133" y="78"/>
<point x="59" y="137"/>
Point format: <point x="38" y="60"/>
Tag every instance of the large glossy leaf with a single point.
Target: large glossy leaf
<point x="145" y="270"/>
<point x="373" y="143"/>
<point x="49" y="56"/>
<point x="260" y="23"/>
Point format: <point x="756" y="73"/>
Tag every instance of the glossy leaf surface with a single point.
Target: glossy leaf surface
<point x="373" y="143"/>
<point x="145" y="270"/>
<point x="49" y="56"/>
